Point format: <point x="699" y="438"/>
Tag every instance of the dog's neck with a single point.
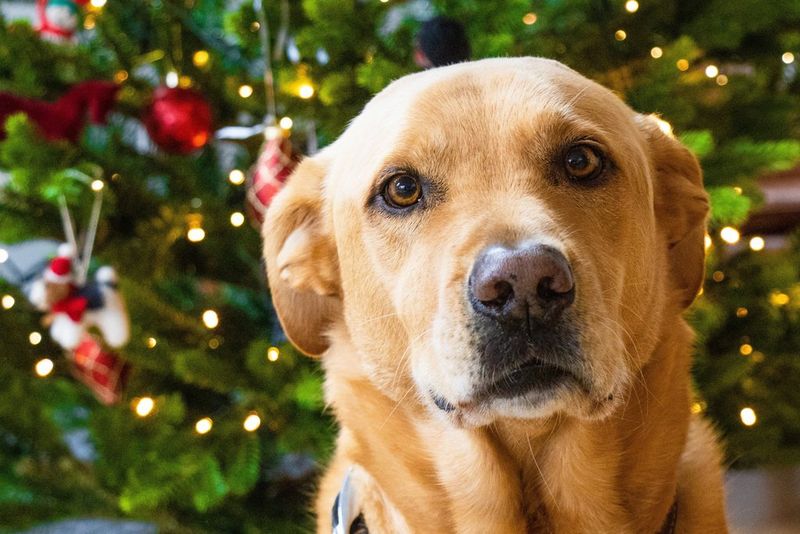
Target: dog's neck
<point x="618" y="474"/>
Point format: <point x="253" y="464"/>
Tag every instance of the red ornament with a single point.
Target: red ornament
<point x="104" y="373"/>
<point x="275" y="164"/>
<point x="66" y="117"/>
<point x="178" y="120"/>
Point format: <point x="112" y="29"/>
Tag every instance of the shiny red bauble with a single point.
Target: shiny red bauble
<point x="178" y="120"/>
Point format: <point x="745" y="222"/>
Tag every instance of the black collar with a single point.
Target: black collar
<point x="348" y="518"/>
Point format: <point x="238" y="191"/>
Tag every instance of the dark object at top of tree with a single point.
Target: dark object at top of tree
<point x="442" y="41"/>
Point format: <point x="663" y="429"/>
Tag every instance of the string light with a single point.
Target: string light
<point x="748" y="416"/>
<point x="237" y="218"/>
<point x="529" y="19"/>
<point x="203" y="426"/>
<point x="214" y="343"/>
<point x="696" y="408"/>
<point x="682" y="64"/>
<point x="195" y="234"/>
<point x="730" y="235"/>
<point x="741" y="312"/>
<point x="712" y="71"/>
<point x="89" y="22"/>
<point x="120" y="76"/>
<point x="778" y="299"/>
<point x="286" y="123"/>
<point x="656" y="52"/>
<point x="273" y="353"/>
<point x="746" y="349"/>
<point x="246" y="91"/>
<point x="787" y="58"/>
<point x="185" y="81"/>
<point x="631" y="6"/>
<point x="144" y="406"/>
<point x="738" y="190"/>
<point x="200" y="58"/>
<point x="98" y="3"/>
<point x="7" y="301"/>
<point x="151" y="342"/>
<point x="252" y="422"/>
<point x="210" y="319"/>
<point x="718" y="276"/>
<point x="35" y="338"/>
<point x="3" y="255"/>
<point x="722" y="80"/>
<point x="236" y="177"/>
<point x="306" y="91"/>
<point x="757" y="243"/>
<point x="172" y="79"/>
<point x="707" y="241"/>
<point x="620" y="35"/>
<point x="98" y="185"/>
<point x="44" y="367"/>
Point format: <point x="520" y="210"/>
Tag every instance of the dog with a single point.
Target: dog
<point x="492" y="263"/>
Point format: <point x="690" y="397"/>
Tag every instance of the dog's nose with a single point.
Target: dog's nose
<point x="532" y="281"/>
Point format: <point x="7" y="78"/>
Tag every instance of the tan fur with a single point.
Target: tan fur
<point x="380" y="298"/>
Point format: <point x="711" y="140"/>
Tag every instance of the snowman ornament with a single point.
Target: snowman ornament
<point x="59" y="20"/>
<point x="71" y="309"/>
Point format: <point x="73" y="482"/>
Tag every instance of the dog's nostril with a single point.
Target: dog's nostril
<point x="549" y="289"/>
<point x="503" y="292"/>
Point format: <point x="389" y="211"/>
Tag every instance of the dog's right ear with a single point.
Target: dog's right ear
<point x="302" y="263"/>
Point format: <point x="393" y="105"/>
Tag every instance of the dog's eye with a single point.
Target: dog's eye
<point x="583" y="162"/>
<point x="402" y="191"/>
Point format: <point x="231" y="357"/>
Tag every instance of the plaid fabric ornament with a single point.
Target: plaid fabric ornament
<point x="275" y="164"/>
<point x="104" y="373"/>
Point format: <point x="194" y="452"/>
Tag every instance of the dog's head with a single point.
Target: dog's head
<point x="501" y="237"/>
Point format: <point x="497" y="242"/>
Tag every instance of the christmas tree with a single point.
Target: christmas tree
<point x="206" y="419"/>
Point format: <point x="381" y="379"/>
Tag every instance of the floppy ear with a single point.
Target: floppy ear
<point x="302" y="264"/>
<point x="681" y="207"/>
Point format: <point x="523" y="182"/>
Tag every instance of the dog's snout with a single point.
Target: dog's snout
<point x="531" y="281"/>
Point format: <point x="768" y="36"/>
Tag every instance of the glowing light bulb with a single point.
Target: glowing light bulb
<point x="35" y="338"/>
<point x="144" y="406"/>
<point x="722" y="80"/>
<point x="3" y="255"/>
<point x="151" y="342"/>
<point x="273" y="353"/>
<point x="98" y="3"/>
<point x="787" y="58"/>
<point x="741" y="312"/>
<point x="236" y="177"/>
<point x="237" y="218"/>
<point x="203" y="426"/>
<point x="252" y="422"/>
<point x="195" y="235"/>
<point x="718" y="276"/>
<point x="246" y="91"/>
<point x="656" y="52"/>
<point x="631" y="6"/>
<point x="286" y="123"/>
<point x="748" y="416"/>
<point x="44" y="367"/>
<point x="306" y="91"/>
<point x="707" y="241"/>
<point x="682" y="64"/>
<point x="172" y="79"/>
<point x="620" y="35"/>
<point x="7" y="302"/>
<point x="778" y="299"/>
<point x="746" y="349"/>
<point x="210" y="319"/>
<point x="200" y="58"/>
<point x="529" y="19"/>
<point x="120" y="76"/>
<point x="757" y="243"/>
<point x="730" y="235"/>
<point x="98" y="185"/>
<point x="712" y="71"/>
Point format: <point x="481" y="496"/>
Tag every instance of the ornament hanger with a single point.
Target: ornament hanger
<point x="81" y="261"/>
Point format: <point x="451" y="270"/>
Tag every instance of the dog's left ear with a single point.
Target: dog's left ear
<point x="681" y="207"/>
<point x="301" y="257"/>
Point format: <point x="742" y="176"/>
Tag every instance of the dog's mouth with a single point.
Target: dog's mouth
<point x="534" y="378"/>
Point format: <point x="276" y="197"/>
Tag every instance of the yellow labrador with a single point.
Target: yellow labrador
<point x="492" y="262"/>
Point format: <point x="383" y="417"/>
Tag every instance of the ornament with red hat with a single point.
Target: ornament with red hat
<point x="59" y="19"/>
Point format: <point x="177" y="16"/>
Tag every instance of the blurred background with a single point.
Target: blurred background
<point x="149" y="136"/>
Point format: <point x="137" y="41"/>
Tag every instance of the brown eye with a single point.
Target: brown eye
<point x="402" y="191"/>
<point x="583" y="162"/>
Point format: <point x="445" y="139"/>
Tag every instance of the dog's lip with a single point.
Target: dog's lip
<point x="534" y="374"/>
